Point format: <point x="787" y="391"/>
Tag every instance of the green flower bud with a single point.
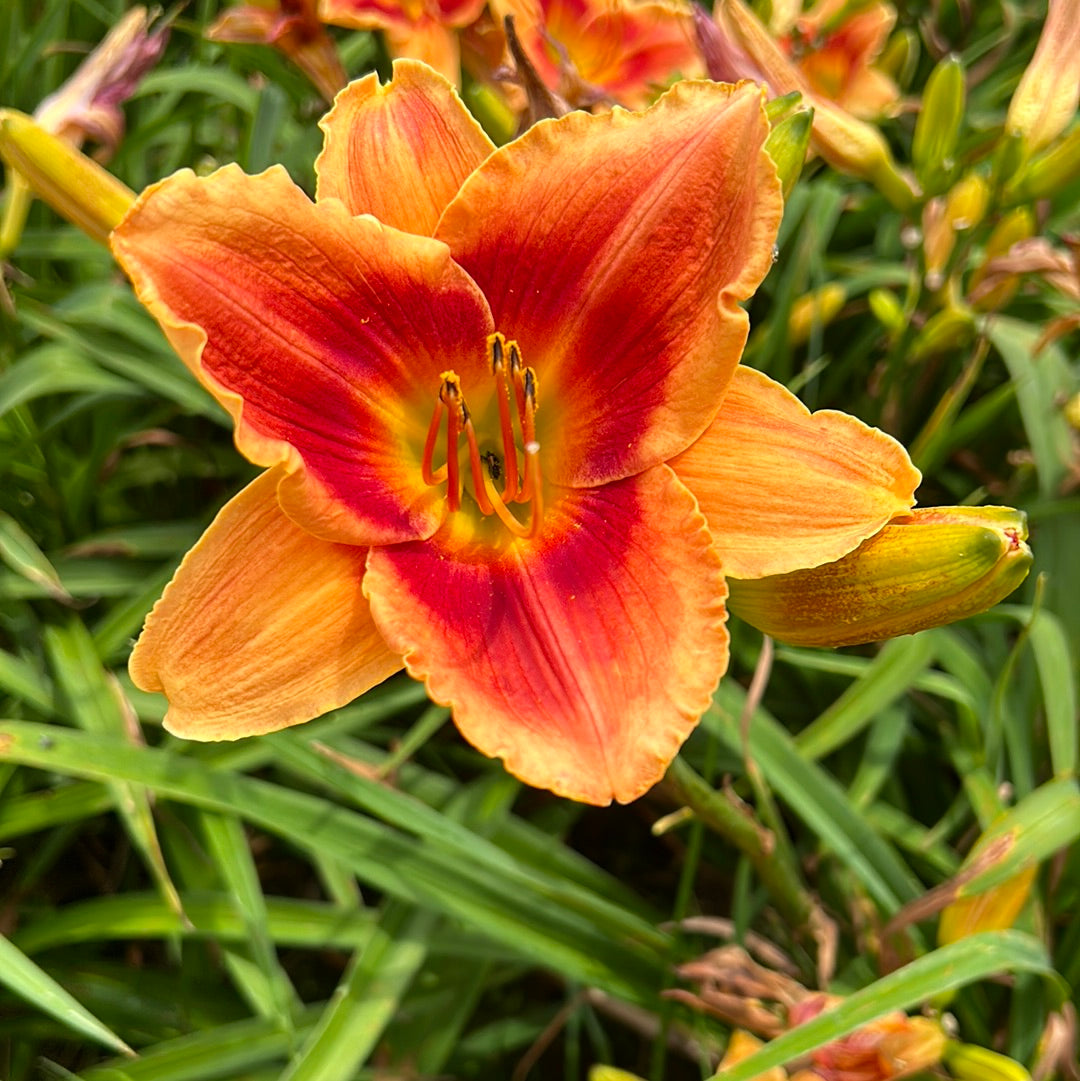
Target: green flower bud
<point x="966" y="1062"/>
<point x="818" y="308"/>
<point x="1046" y="174"/>
<point x="937" y="130"/>
<point x="75" y="186"/>
<point x="787" y="145"/>
<point x="887" y="309"/>
<point x="929" y="568"/>
<point x="949" y="329"/>
<point x="900" y="57"/>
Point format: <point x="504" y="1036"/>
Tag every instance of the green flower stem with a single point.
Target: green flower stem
<point x="735" y="823"/>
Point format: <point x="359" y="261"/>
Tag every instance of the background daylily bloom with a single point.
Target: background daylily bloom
<point x="416" y="29"/>
<point x="590" y="51"/>
<point x="507" y="441"/>
<point x="834" y="44"/>
<point x="845" y="141"/>
<point x="294" y="28"/>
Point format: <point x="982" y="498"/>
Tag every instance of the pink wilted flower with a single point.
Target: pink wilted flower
<point x="87" y="106"/>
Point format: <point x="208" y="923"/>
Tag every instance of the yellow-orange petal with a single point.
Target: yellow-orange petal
<point x="324" y="335"/>
<point x="368" y="14"/>
<point x="399" y="151"/>
<point x="582" y="658"/>
<point x="616" y="249"/>
<point x="427" y="41"/>
<point x="785" y="489"/>
<point x="263" y="626"/>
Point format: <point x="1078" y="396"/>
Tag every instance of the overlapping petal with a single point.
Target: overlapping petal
<point x="400" y="151"/>
<point x="322" y="334"/>
<point x="616" y="249"/>
<point x="584" y="658"/>
<point x="784" y="489"/>
<point x="263" y="626"/>
<point x="427" y="40"/>
<point x="619" y="49"/>
<point x="418" y="29"/>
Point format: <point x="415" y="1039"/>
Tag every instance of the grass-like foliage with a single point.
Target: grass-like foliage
<point x="365" y="896"/>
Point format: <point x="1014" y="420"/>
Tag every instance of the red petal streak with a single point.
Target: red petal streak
<point x="399" y="151"/>
<point x="263" y="626"/>
<point x="323" y="335"/>
<point x="584" y="657"/>
<point x="786" y="489"/>
<point x="615" y="249"/>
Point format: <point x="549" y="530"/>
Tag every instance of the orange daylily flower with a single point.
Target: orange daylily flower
<point x="507" y="441"/>
<point x="417" y="29"/>
<point x="835" y="50"/>
<point x="590" y="51"/>
<point x="892" y="1046"/>
<point x="737" y="36"/>
<point x="294" y="28"/>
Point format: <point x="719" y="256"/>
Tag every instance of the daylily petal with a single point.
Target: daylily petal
<point x="369" y="14"/>
<point x="785" y="489"/>
<point x="322" y="334"/>
<point x="583" y="658"/>
<point x="399" y="151"/>
<point x="429" y="41"/>
<point x="615" y="249"/>
<point x="263" y="626"/>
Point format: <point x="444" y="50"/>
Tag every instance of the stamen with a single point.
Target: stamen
<point x="524" y="485"/>
<point x="516" y="378"/>
<point x="528" y="432"/>
<point x="535" y="481"/>
<point x="502" y="393"/>
<point x="433" y="476"/>
<point x="476" y="469"/>
<point x="532" y="465"/>
<point x="450" y="395"/>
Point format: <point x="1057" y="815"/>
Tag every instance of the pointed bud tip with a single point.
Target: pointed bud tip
<point x="930" y="568"/>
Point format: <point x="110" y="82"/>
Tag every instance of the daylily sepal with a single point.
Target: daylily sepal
<point x="926" y="569"/>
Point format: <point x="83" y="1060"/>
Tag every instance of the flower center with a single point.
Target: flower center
<point x="515" y="393"/>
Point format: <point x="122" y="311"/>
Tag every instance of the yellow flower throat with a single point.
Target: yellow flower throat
<point x="515" y="387"/>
